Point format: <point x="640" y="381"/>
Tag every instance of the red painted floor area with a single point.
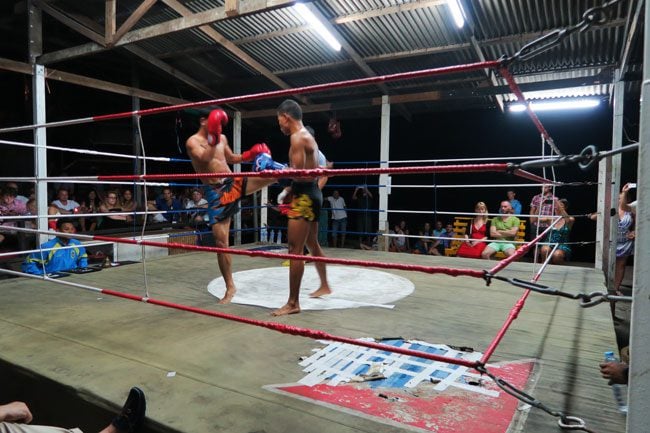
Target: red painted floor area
<point x="451" y="411"/>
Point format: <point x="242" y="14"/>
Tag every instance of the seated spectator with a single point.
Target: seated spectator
<point x="168" y="203"/>
<point x="127" y="203"/>
<point x="15" y="417"/>
<point x="559" y="234"/>
<point x="65" y="205"/>
<point x="10" y="207"/>
<point x="111" y="204"/>
<point x="423" y="245"/>
<point x="437" y="246"/>
<point x="478" y="233"/>
<point x="449" y="234"/>
<point x="31" y="210"/>
<point x="54" y="258"/>
<point x="397" y="243"/>
<point x="90" y="205"/>
<point x="14" y="186"/>
<point x="197" y="201"/>
<point x="516" y="204"/>
<point x="503" y="228"/>
<point x="52" y="211"/>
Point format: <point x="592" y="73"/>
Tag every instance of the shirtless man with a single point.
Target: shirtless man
<point x="304" y="207"/>
<point x="210" y="153"/>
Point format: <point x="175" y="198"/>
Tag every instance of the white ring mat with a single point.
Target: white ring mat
<point x="352" y="287"/>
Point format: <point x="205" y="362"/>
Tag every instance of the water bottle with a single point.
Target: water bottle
<point x="279" y="239"/>
<point x="263" y="234"/>
<point x="272" y="236"/>
<point x="619" y="390"/>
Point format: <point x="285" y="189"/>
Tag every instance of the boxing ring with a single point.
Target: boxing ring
<point x="222" y="375"/>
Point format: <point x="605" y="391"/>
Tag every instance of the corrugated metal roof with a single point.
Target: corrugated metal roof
<point x="386" y="36"/>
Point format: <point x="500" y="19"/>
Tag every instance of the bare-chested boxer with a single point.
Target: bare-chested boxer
<point x="210" y="153"/>
<point x="304" y="207"/>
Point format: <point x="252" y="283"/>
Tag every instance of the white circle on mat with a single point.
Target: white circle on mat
<point x="352" y="287"/>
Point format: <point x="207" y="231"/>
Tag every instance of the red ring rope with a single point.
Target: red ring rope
<point x="505" y="73"/>
<point x="315" y="172"/>
<point x="294" y="330"/>
<point x="454" y="272"/>
<point x="491" y="64"/>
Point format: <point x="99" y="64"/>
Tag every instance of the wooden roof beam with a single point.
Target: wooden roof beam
<point x="66" y="77"/>
<point x="183" y="23"/>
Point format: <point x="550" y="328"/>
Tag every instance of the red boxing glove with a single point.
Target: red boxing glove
<point x="251" y="153"/>
<point x="217" y="119"/>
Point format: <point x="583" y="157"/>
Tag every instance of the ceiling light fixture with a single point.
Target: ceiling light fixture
<point x="457" y="12"/>
<point x="317" y="25"/>
<point x="572" y="104"/>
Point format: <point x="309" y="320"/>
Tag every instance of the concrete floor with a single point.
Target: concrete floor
<point x="98" y="346"/>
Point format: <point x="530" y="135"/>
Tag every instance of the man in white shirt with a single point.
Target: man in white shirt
<point x="339" y="217"/>
<point x="197" y="201"/>
<point x="65" y="206"/>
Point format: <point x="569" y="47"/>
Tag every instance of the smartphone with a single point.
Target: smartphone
<point x="548" y="201"/>
<point x="631" y="185"/>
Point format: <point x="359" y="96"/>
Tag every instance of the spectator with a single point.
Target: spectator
<point x="449" y="234"/>
<point x="504" y="228"/>
<point x="31" y="210"/>
<point x="169" y="204"/>
<point x="398" y="242"/>
<point x="404" y="228"/>
<point x="90" y="205"/>
<point x="65" y="205"/>
<point x="111" y="204"/>
<point x="197" y="201"/>
<point x="478" y="230"/>
<point x="20" y="198"/>
<point x="15" y="417"/>
<point x="423" y="245"/>
<point x="541" y="205"/>
<point x="339" y="217"/>
<point x="625" y="236"/>
<point x="127" y="203"/>
<point x="362" y="202"/>
<point x="438" y="247"/>
<point x="516" y="204"/>
<point x="559" y="234"/>
<point x="10" y="207"/>
<point x="53" y="257"/>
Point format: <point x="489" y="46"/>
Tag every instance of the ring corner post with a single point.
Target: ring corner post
<point x="384" y="153"/>
<point x="35" y="47"/>
<point x="639" y="386"/>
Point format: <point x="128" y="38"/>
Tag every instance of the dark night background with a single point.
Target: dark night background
<point x="467" y="134"/>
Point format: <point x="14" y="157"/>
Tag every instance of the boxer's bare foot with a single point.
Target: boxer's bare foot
<point x="287" y="309"/>
<point x="227" y="297"/>
<point x="322" y="291"/>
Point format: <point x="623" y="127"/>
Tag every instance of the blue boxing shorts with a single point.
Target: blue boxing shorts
<point x="307" y="201"/>
<point x="223" y="198"/>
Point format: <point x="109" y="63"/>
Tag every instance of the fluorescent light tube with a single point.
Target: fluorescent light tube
<point x="571" y="104"/>
<point x="318" y="26"/>
<point x="457" y="12"/>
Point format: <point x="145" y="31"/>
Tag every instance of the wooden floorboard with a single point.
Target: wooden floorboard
<point x="104" y="345"/>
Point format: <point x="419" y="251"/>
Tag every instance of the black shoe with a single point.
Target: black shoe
<point x="132" y="416"/>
